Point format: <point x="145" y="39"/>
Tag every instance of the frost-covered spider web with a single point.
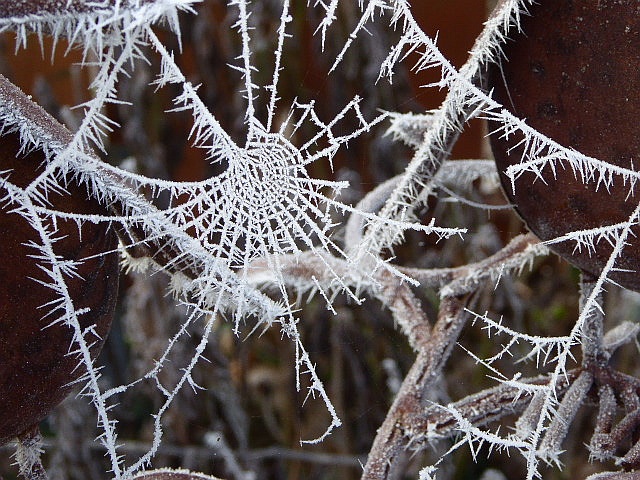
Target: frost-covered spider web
<point x="221" y="238"/>
<point x="263" y="205"/>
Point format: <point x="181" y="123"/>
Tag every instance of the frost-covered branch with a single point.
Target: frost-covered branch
<point x="395" y="434"/>
<point x="464" y="100"/>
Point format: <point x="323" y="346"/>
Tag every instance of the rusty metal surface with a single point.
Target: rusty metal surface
<point x="35" y="368"/>
<point x="574" y="74"/>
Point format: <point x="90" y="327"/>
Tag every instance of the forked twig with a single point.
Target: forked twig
<point x="396" y="431"/>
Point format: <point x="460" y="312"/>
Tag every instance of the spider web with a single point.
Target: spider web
<point x="263" y="205"/>
<point x="214" y="235"/>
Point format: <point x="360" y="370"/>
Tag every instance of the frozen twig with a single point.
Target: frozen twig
<point x="601" y="446"/>
<point x="482" y="408"/>
<point x="593" y="346"/>
<point x="28" y="450"/>
<point x="406" y="309"/>
<point x="550" y="447"/>
<point x="396" y="432"/>
<point x="519" y="253"/>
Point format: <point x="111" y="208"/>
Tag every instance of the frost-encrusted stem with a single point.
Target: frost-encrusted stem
<point x="601" y="446"/>
<point x="550" y="447"/>
<point x="482" y="408"/>
<point x="514" y="257"/>
<point x="396" y="432"/>
<point x="406" y="309"/>
<point x="28" y="451"/>
<point x="464" y="100"/>
<point x="593" y="349"/>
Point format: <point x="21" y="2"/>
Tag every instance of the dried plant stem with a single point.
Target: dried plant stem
<point x="28" y="450"/>
<point x="465" y="279"/>
<point x="569" y="406"/>
<point x="406" y="310"/>
<point x="594" y="359"/>
<point x="395" y="433"/>
<point x="601" y="446"/>
<point x="484" y="407"/>
<point x="594" y="352"/>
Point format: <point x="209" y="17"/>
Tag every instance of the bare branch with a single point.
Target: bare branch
<point x="396" y="432"/>
<point x="482" y="408"/>
<point x="520" y="252"/>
